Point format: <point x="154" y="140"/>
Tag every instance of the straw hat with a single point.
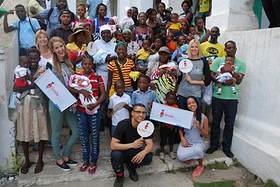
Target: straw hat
<point x="78" y="29"/>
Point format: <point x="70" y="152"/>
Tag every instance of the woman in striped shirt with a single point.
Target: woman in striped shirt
<point x="119" y="69"/>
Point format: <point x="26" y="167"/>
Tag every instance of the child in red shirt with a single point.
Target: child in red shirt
<point x="87" y="121"/>
<point x="167" y="132"/>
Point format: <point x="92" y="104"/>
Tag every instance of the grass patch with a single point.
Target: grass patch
<point x="217" y="165"/>
<point x="236" y="163"/>
<point x="215" y="184"/>
<point x="270" y="183"/>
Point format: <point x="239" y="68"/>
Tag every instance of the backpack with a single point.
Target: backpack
<point x="44" y="24"/>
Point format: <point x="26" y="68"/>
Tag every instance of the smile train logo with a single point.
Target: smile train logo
<point x="163" y="113"/>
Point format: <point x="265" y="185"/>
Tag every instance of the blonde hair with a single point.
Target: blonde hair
<point x="38" y="33"/>
<point x="56" y="62"/>
<point x="194" y="41"/>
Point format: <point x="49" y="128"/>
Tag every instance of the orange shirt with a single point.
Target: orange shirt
<point x="126" y="68"/>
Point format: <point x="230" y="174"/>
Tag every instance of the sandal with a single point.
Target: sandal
<point x="84" y="167"/>
<point x="92" y="169"/>
<point x="39" y="167"/>
<point x="198" y="171"/>
<point x="25" y="168"/>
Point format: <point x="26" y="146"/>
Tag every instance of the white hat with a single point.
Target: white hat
<point x="20" y="72"/>
<point x="105" y="28"/>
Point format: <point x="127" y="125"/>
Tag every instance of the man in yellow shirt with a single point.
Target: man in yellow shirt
<point x="212" y="48"/>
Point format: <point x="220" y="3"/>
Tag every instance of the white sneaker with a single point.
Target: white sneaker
<point x="172" y="155"/>
<point x="161" y="155"/>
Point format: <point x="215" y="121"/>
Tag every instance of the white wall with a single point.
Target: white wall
<point x="142" y="5"/>
<point x="8" y="61"/>
<point x="256" y="141"/>
<point x="232" y="15"/>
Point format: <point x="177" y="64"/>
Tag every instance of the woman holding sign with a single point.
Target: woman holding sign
<point x="62" y="68"/>
<point x="196" y="75"/>
<point x="192" y="144"/>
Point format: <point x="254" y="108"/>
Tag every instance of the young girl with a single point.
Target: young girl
<point x="192" y="144"/>
<point x="167" y="132"/>
<point x="31" y="123"/>
<point x="87" y="121"/>
<point x="82" y="20"/>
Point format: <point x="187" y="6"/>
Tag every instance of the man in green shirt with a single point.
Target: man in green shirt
<point x="226" y="102"/>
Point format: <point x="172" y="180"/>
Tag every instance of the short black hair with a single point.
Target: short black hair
<point x="196" y="19"/>
<point x="19" y="6"/>
<point x="66" y="11"/>
<point x="145" y="77"/>
<point x="138" y="105"/>
<point x="33" y="50"/>
<point x="149" y="11"/>
<point x="188" y="2"/>
<point x="230" y="41"/>
<point x="88" y="56"/>
<point x="119" y="82"/>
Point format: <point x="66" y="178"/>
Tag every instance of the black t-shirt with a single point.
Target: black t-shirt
<point x="126" y="133"/>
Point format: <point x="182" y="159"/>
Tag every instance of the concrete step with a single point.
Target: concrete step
<point x="52" y="174"/>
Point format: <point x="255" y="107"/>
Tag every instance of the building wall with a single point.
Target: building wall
<point x="256" y="141"/>
<point x="8" y="61"/>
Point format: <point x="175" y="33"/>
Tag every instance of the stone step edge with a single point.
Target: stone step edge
<point x="167" y="166"/>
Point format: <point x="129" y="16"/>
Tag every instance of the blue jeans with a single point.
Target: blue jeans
<point x="56" y="118"/>
<point x="88" y="124"/>
<point x="118" y="158"/>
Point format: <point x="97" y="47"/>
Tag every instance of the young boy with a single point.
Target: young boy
<point x="143" y="55"/>
<point x="174" y="26"/>
<point x="144" y="95"/>
<point x="119" y="105"/>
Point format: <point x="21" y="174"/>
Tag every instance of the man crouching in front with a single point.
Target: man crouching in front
<point x="128" y="147"/>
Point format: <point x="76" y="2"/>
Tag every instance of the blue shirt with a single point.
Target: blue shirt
<point x="53" y="21"/>
<point x="180" y="50"/>
<point x="26" y="33"/>
<point x="145" y="98"/>
<point x="92" y="4"/>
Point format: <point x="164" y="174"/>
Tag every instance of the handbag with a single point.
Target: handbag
<point x="13" y="101"/>
<point x="207" y="94"/>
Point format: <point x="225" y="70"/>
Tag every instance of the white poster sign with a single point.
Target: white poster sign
<point x="171" y="115"/>
<point x="55" y="90"/>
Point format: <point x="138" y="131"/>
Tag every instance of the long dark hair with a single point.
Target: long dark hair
<point x="97" y="8"/>
<point x="197" y="113"/>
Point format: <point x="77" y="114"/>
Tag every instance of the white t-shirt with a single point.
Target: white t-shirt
<point x="119" y="113"/>
<point x="43" y="61"/>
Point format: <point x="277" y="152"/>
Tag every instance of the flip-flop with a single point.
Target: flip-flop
<point x="84" y="167"/>
<point x="92" y="169"/>
<point x="25" y="168"/>
<point x="39" y="167"/>
<point x="198" y="171"/>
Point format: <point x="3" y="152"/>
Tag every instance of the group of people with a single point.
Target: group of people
<point x="116" y="68"/>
